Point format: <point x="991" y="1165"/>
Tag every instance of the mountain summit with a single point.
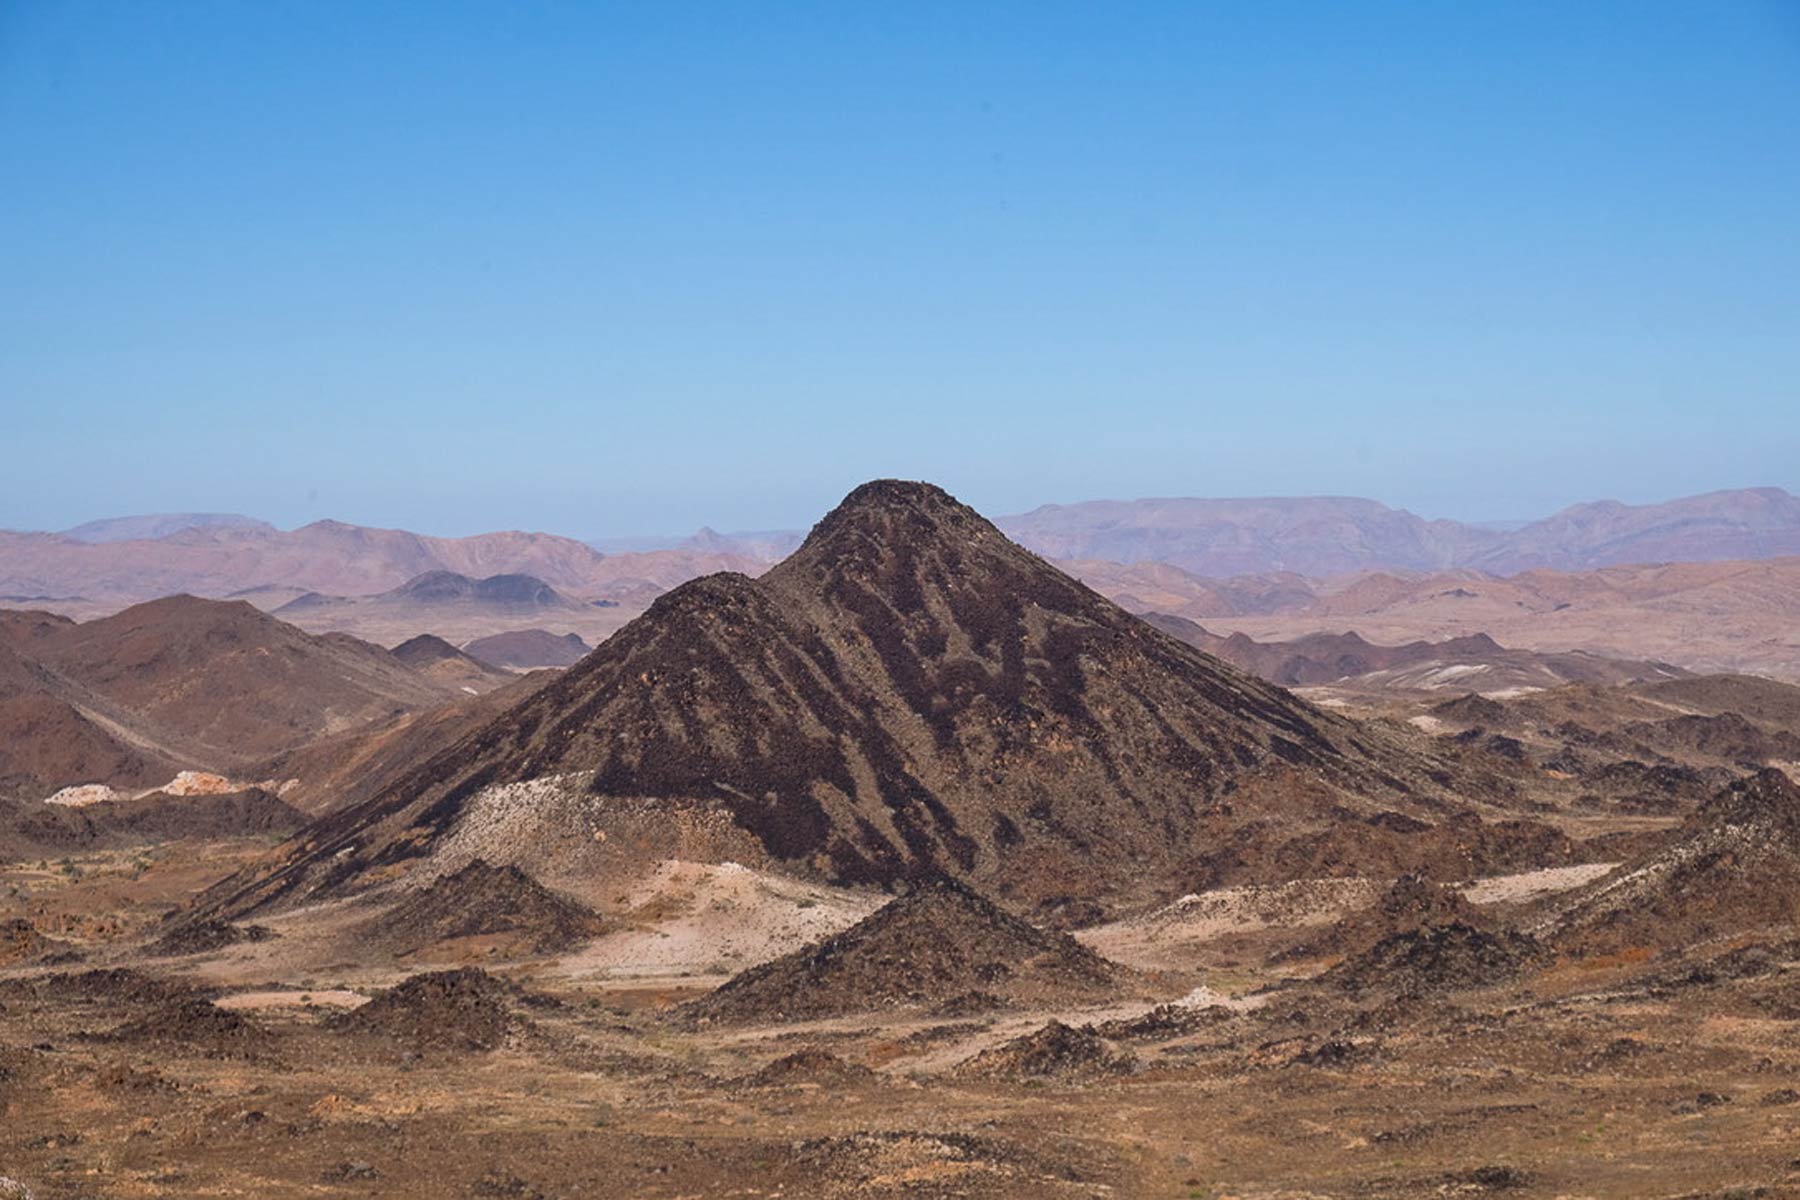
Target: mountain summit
<point x="909" y="693"/>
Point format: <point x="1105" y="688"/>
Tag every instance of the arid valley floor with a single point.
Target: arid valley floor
<point x="910" y="867"/>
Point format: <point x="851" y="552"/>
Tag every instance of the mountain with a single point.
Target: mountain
<point x="1701" y="616"/>
<point x="439" y="661"/>
<point x="1323" y="535"/>
<point x="455" y="608"/>
<point x="909" y="693"/>
<point x="226" y="683"/>
<point x="338" y="770"/>
<point x="1475" y="663"/>
<point x="47" y="741"/>
<point x="159" y="525"/>
<point x="527" y="649"/>
<point x="1752" y="523"/>
<point x="432" y="598"/>
<point x="1335" y="535"/>
<point x="328" y="557"/>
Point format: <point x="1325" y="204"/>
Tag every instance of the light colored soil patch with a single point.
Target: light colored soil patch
<point x="1508" y="889"/>
<point x="706" y="918"/>
<point x="329" y="998"/>
<point x="1148" y="941"/>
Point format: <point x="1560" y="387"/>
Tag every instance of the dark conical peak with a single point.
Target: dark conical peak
<point x="880" y="501"/>
<point x="424" y="649"/>
<point x="886" y="518"/>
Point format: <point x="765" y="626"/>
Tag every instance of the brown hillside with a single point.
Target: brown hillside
<point x="231" y="678"/>
<point x="1734" y="869"/>
<point x="910" y="693"/>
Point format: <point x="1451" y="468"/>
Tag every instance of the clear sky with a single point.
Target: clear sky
<point x="607" y="269"/>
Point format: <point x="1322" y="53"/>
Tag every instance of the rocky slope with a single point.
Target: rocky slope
<point x="909" y="693"/>
<point x="1734" y="869"/>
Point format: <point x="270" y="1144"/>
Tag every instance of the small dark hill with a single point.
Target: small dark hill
<point x="194" y="1023"/>
<point x="422" y="651"/>
<point x="1733" y="869"/>
<point x="205" y="937"/>
<point x="808" y="1068"/>
<point x="32" y="829"/>
<point x="1440" y="958"/>
<point x="1412" y="903"/>
<point x="445" y="665"/>
<point x="941" y="940"/>
<point x="495" y="591"/>
<point x="1055" y="1052"/>
<point x="503" y="907"/>
<point x="529" y="649"/>
<point x="465" y="1009"/>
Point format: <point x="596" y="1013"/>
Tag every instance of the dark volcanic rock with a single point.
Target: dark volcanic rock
<point x="1411" y="903"/>
<point x="1734" y="867"/>
<point x="504" y="904"/>
<point x="804" y="1067"/>
<point x="192" y="1021"/>
<point x="940" y="942"/>
<point x="22" y="942"/>
<point x="1438" y="959"/>
<point x="1056" y="1051"/>
<point x="202" y="937"/>
<point x="465" y="1009"/>
<point x="908" y="694"/>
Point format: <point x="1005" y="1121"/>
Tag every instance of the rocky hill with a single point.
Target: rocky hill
<point x="908" y="694"/>
<point x="939" y="944"/>
<point x="1734" y="869"/>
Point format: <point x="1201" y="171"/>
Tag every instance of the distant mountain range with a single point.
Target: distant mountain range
<point x="1318" y="537"/>
<point x="1326" y="536"/>
<point x="1275" y="569"/>
<point x="219" y="556"/>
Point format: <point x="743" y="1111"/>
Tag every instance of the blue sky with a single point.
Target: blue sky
<point x="607" y="269"/>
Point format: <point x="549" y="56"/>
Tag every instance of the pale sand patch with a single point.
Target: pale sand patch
<point x="1148" y="940"/>
<point x="326" y="998"/>
<point x="717" y="918"/>
<point x="1528" y="885"/>
<point x="84" y="794"/>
